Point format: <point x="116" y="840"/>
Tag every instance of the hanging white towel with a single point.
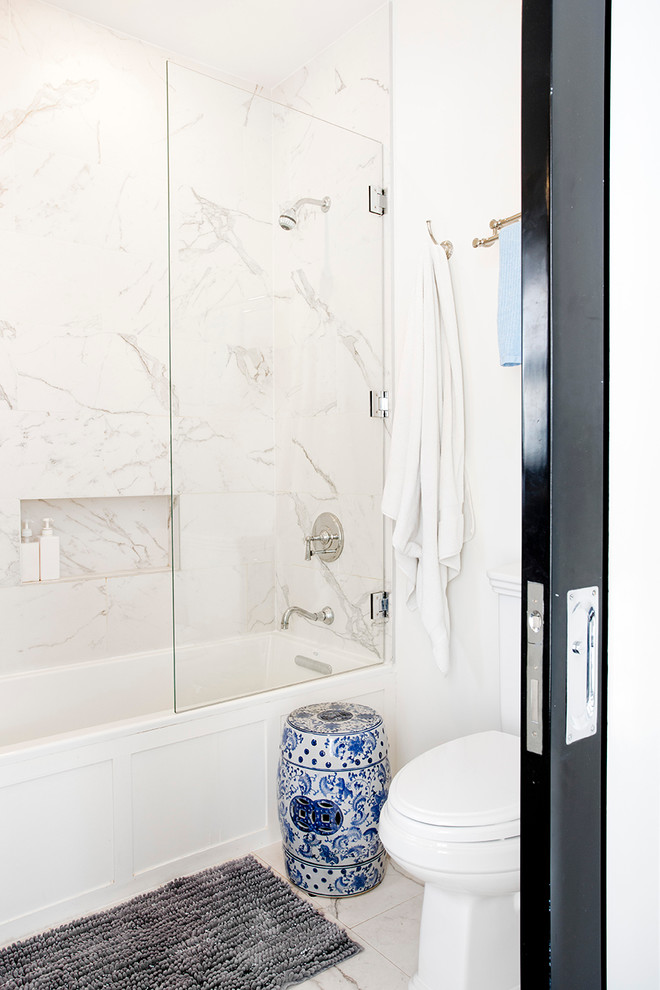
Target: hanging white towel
<point x="425" y="490"/>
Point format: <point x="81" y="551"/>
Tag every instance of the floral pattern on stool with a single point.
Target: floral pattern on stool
<point x="333" y="778"/>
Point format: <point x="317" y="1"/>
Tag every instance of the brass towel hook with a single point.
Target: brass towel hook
<point x="447" y="245"/>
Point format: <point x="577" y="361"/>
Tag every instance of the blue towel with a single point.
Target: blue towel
<point x="509" y="311"/>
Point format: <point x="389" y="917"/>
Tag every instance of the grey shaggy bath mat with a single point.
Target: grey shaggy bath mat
<point x="234" y="927"/>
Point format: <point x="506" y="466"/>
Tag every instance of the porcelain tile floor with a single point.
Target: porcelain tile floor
<point x="385" y="921"/>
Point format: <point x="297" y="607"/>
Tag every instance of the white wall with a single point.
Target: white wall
<point x="634" y="678"/>
<point x="456" y="151"/>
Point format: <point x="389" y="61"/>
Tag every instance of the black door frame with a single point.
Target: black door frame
<point x="565" y="129"/>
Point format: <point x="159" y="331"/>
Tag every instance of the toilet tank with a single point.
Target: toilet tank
<point x="505" y="582"/>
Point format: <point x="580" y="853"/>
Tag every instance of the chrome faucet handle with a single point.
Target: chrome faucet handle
<point x="327" y="538"/>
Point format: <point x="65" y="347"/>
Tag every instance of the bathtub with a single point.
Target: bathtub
<point x="84" y="695"/>
<point x="106" y="791"/>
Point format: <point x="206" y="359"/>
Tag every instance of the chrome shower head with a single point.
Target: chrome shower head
<point x="289" y="219"/>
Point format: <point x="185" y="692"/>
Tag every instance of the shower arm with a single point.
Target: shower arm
<point x="323" y="203"/>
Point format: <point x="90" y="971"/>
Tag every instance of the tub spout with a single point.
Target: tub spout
<point x="325" y="615"/>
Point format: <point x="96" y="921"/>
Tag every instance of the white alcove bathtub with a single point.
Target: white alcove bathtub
<point x="139" y="794"/>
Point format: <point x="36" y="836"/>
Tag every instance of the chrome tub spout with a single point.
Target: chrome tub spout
<point x="325" y="615"/>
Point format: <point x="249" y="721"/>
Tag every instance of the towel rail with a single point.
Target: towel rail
<point x="496" y="226"/>
<point x="447" y="245"/>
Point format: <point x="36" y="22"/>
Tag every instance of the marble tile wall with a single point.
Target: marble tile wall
<point x="349" y="82"/>
<point x="330" y="457"/>
<point x="222" y="357"/>
<point x="328" y="280"/>
<point x="84" y="394"/>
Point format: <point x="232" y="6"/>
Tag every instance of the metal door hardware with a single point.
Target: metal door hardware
<point x="535" y="615"/>
<point x="380" y="605"/>
<point x="377" y="200"/>
<point x="327" y="539"/>
<point x="581" y="664"/>
<point x="379" y="404"/>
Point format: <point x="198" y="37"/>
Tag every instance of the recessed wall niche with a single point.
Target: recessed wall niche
<point x="102" y="537"/>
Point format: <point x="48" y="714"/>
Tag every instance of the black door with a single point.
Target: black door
<point x="564" y="222"/>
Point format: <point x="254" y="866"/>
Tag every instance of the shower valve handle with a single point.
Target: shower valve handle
<point x="325" y="539"/>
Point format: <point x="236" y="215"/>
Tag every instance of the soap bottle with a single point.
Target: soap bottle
<point x="49" y="553"/>
<point x="29" y="554"/>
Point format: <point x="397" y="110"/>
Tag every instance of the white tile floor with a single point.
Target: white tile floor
<point x="385" y="921"/>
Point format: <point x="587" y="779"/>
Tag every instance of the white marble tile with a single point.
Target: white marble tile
<point x="234" y="128"/>
<point x="58" y="456"/>
<point x="330" y="455"/>
<point x="70" y="199"/>
<point x="5" y="23"/>
<point x="8" y="376"/>
<point x="210" y="604"/>
<point x="71" y="279"/>
<point x="139" y="613"/>
<point x="395" y="933"/>
<point x="220" y="255"/>
<point x="90" y="92"/>
<point x="105" y="535"/>
<point x="349" y="82"/>
<point x="72" y="345"/>
<point x="218" y="454"/>
<point x="10" y="541"/>
<point x="135" y="298"/>
<point x="364" y="912"/>
<point x="324" y="288"/>
<point x="306" y="380"/>
<point x="261" y="597"/>
<point x="273" y="857"/>
<point x="223" y="361"/>
<point x="64" y="371"/>
<point x="48" y="107"/>
<point x="53" y="624"/>
<point x="212" y="526"/>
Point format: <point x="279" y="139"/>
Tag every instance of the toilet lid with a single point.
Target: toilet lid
<point x="471" y="781"/>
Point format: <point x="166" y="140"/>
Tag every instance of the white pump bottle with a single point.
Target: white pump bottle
<point x="49" y="553"/>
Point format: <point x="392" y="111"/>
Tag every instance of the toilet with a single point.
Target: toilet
<point x="452" y="821"/>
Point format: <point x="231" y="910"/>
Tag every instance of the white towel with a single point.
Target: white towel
<point x="425" y="490"/>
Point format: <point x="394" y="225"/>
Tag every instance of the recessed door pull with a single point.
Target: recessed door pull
<point x="581" y="664"/>
<point x="535" y="619"/>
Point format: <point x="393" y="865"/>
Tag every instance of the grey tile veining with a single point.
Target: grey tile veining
<point x="395" y="933"/>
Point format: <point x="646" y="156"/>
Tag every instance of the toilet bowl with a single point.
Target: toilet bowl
<point x="451" y="820"/>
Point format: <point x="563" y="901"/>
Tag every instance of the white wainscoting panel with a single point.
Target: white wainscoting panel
<point x="56" y="838"/>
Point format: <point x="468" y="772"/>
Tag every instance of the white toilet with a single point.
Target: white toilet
<point x="452" y="820"/>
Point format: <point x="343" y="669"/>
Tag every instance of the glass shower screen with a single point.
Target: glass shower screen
<point x="276" y="302"/>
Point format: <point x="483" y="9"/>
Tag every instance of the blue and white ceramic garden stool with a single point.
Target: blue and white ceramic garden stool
<point x="333" y="778"/>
